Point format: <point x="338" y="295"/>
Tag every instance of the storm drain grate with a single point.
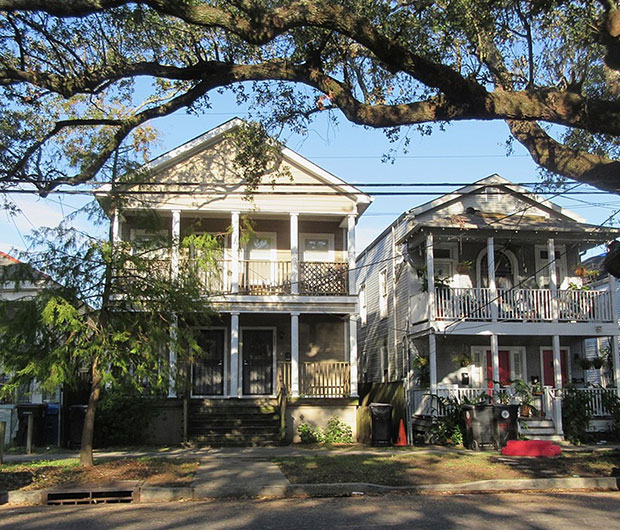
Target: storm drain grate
<point x="90" y="497"/>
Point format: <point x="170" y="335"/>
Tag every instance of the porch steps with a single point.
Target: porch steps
<point x="539" y="429"/>
<point x="237" y="422"/>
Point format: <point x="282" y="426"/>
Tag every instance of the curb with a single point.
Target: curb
<point x="346" y="489"/>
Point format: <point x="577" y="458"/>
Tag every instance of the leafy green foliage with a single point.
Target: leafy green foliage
<point x="123" y="419"/>
<point x="611" y="402"/>
<point x="310" y="434"/>
<point x="110" y="312"/>
<point x="336" y="432"/>
<point x="448" y="429"/>
<point x="576" y="415"/>
<point x="72" y="109"/>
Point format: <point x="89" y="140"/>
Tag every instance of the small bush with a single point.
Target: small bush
<point x="576" y="415"/>
<point x="448" y="429"/>
<point x="122" y="420"/>
<point x="310" y="434"/>
<point x="611" y="402"/>
<point x="338" y="432"/>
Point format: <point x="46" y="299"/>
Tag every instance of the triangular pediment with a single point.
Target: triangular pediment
<point x="496" y="203"/>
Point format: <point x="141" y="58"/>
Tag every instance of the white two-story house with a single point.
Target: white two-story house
<point x="479" y="288"/>
<point x="285" y="295"/>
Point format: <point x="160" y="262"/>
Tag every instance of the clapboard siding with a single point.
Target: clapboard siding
<point x="381" y="359"/>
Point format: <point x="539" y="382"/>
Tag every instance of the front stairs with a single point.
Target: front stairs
<point x="538" y="428"/>
<point x="234" y="422"/>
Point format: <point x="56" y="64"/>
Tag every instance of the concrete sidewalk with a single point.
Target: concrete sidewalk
<point x="250" y="472"/>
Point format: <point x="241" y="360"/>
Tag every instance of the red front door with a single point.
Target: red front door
<point x="504" y="368"/>
<point x="549" y="378"/>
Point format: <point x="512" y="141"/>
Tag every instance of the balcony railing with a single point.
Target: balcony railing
<point x="265" y="277"/>
<point x="326" y="379"/>
<point x="524" y="305"/>
<point x="255" y="277"/>
<point x="323" y="278"/>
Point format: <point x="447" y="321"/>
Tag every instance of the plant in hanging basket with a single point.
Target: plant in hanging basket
<point x="584" y="363"/>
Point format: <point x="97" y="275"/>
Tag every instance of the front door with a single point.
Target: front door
<point x="208" y="367"/>
<point x="548" y="372"/>
<point x="257" y="350"/>
<point x="504" y="367"/>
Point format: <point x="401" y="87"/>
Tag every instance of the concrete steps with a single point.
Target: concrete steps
<point x="238" y="422"/>
<point x="539" y="429"/>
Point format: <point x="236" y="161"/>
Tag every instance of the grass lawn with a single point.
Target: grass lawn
<point x="155" y="471"/>
<point x="425" y="468"/>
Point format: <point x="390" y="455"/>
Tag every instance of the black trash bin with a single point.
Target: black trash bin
<point x="479" y="426"/>
<point x="51" y="424"/>
<point x="506" y="423"/>
<point x="37" y="411"/>
<point x="76" y="424"/>
<point x="381" y="416"/>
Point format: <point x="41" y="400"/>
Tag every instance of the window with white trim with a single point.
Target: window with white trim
<point x="317" y="247"/>
<point x="383" y="294"/>
<point x="362" y="302"/>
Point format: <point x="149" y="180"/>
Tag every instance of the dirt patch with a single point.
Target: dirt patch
<point x="411" y="470"/>
<point x="48" y="474"/>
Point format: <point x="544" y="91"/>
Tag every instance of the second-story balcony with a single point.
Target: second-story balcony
<point x="262" y="278"/>
<point x="521" y="305"/>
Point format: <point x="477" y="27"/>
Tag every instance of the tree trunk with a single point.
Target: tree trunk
<point x="88" y="431"/>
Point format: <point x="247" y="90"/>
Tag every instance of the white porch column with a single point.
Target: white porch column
<point x="174" y="328"/>
<point x="553" y="280"/>
<point x="430" y="277"/>
<point x="234" y="355"/>
<point x="172" y="358"/>
<point x="116" y="226"/>
<point x="494" y="358"/>
<point x="614" y="338"/>
<point x="432" y="362"/>
<point x="176" y="240"/>
<point x="234" y="253"/>
<point x="491" y="278"/>
<point x="353" y="354"/>
<point x="557" y="362"/>
<point x="294" y="254"/>
<point x="351" y="254"/>
<point x="616" y="356"/>
<point x="295" y="354"/>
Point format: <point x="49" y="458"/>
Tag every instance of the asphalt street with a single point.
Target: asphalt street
<point x="561" y="511"/>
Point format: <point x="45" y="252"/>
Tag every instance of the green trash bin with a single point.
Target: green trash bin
<point x="479" y="426"/>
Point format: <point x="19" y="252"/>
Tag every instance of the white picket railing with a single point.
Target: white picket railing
<point x="422" y="402"/>
<point x="524" y="305"/>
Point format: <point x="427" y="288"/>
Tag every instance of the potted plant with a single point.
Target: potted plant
<point x="463" y="359"/>
<point x="523" y="391"/>
<point x="463" y="267"/>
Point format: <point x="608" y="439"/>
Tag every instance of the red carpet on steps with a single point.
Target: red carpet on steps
<point x="531" y="448"/>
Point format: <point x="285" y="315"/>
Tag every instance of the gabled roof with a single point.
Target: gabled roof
<point x="216" y="134"/>
<point x="495" y="180"/>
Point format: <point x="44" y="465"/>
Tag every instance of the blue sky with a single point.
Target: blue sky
<point x="465" y="152"/>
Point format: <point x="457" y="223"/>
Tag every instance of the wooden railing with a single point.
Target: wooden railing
<point x="596" y="400"/>
<point x="284" y="374"/>
<point x="265" y="277"/>
<point x="214" y="278"/>
<point x="463" y="303"/>
<point x="525" y="305"/>
<point x="323" y="278"/>
<point x="327" y="379"/>
<point x="425" y="403"/>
